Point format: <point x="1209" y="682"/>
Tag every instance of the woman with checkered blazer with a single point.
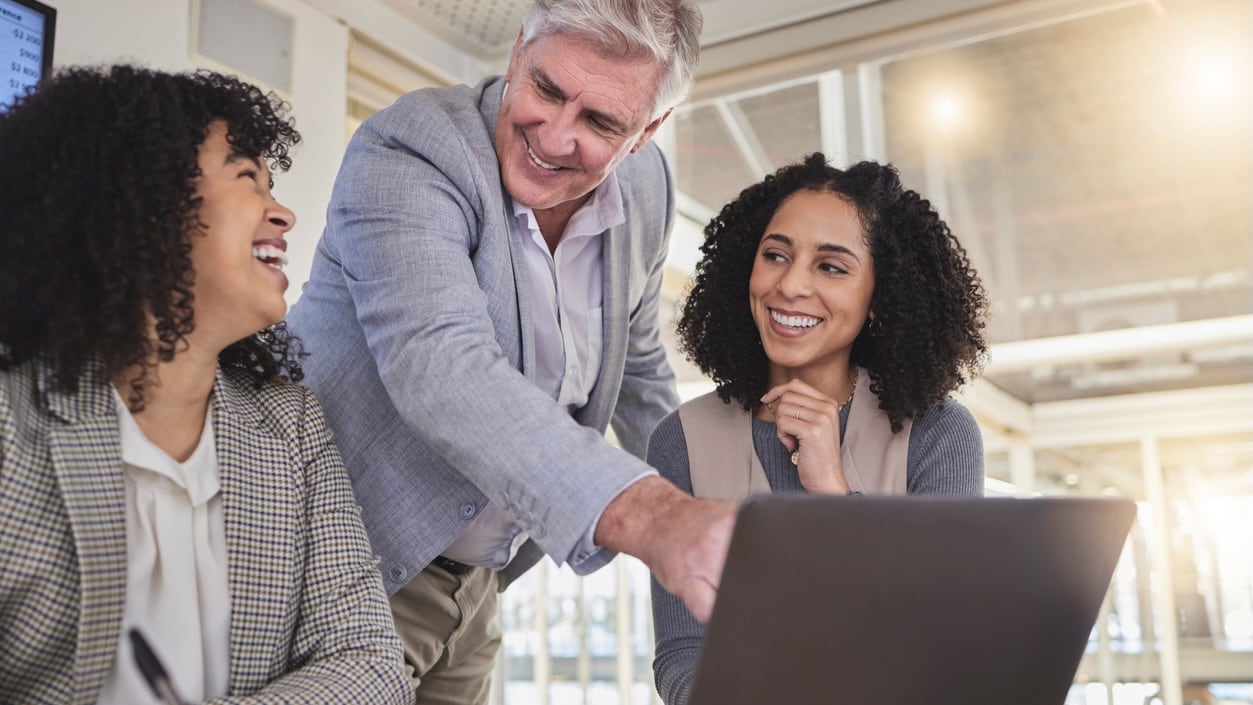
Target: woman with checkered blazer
<point x="161" y="474"/>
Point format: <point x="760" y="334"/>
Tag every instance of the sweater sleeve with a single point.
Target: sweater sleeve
<point x="946" y="452"/>
<point x="678" y="634"/>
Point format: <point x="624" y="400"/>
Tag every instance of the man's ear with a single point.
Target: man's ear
<point x="514" y="57"/>
<point x="649" y="131"/>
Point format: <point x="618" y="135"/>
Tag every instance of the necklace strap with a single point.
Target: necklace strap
<point x="853" y="392"/>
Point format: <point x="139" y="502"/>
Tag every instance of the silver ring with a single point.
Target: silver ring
<point x="798" y="414"/>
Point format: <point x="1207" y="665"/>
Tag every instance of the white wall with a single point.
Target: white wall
<point x="153" y="32"/>
<point x="157" y="33"/>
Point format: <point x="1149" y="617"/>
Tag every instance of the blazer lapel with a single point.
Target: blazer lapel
<point x="260" y="502"/>
<point x="526" y="327"/>
<point x="86" y="456"/>
<point x="489" y="108"/>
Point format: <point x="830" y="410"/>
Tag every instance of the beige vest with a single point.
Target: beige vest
<point x="723" y="464"/>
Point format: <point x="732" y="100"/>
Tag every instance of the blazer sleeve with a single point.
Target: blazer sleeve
<point x="677" y="633"/>
<point x="648" y="391"/>
<point x="344" y="648"/>
<point x="406" y="231"/>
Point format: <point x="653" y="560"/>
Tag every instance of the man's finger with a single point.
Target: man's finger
<point x="699" y="598"/>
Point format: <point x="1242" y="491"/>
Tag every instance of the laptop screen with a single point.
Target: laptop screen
<point x="930" y="600"/>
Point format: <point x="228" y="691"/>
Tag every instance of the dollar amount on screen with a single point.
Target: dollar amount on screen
<point x="25" y="37"/>
<point x="28" y="54"/>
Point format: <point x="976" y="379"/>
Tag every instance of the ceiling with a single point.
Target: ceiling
<point x="487" y="28"/>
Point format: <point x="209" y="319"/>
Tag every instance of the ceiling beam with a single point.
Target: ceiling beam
<point x="1186" y="413"/>
<point x="1124" y="344"/>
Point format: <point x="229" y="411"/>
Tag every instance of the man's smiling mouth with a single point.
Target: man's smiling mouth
<point x="539" y="162"/>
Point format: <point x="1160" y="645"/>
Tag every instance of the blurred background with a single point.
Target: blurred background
<point x="1095" y="158"/>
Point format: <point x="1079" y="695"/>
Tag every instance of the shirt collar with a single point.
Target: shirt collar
<point x="197" y="475"/>
<point x="601" y="212"/>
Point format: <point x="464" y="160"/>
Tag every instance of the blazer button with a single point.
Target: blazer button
<point x="468" y="510"/>
<point x="397" y="573"/>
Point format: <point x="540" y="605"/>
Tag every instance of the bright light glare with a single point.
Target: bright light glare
<point x="1213" y="74"/>
<point x="946" y="110"/>
<point x="1213" y="77"/>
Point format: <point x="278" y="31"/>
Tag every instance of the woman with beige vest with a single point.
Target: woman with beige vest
<point x="863" y="314"/>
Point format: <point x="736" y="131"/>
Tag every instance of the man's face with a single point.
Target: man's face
<point x="569" y="116"/>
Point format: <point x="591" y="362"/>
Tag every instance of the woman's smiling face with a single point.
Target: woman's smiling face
<point x="811" y="286"/>
<point x="238" y="253"/>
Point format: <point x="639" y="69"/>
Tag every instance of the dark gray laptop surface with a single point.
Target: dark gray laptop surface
<point x="908" y="600"/>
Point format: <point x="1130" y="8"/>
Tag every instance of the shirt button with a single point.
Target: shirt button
<point x="468" y="510"/>
<point x="397" y="573"/>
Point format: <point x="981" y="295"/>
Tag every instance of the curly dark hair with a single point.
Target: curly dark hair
<point x="929" y="307"/>
<point x="98" y="207"/>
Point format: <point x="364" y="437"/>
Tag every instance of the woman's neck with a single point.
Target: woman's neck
<point x="175" y="400"/>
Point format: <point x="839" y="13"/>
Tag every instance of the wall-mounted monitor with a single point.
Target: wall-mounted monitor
<point x="27" y="31"/>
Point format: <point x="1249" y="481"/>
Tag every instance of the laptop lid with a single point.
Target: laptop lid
<point x="909" y="600"/>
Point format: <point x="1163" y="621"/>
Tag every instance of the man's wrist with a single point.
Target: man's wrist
<point x="629" y="522"/>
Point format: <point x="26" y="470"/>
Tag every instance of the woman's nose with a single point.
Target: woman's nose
<point x="281" y="215"/>
<point x="795" y="281"/>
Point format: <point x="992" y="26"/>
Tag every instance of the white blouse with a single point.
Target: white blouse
<point x="177" y="589"/>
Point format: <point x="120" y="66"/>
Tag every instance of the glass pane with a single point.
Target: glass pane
<point x="708" y="166"/>
<point x="774" y="128"/>
<point x="785" y="122"/>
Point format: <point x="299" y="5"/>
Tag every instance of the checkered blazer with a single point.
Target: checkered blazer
<point x="309" y="619"/>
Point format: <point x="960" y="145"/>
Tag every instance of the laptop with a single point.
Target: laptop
<point x="908" y="600"/>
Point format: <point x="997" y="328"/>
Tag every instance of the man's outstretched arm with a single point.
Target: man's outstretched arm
<point x="682" y="540"/>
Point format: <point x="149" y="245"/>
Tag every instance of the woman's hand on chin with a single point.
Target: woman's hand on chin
<point x="807" y="422"/>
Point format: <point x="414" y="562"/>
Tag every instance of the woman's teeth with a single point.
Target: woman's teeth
<point x="270" y="255"/>
<point x="794" y="321"/>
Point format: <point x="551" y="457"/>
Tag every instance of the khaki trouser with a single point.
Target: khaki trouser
<point x="451" y="633"/>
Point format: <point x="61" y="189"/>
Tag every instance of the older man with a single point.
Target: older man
<point x="484" y="303"/>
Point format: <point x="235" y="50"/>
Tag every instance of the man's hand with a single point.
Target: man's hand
<point x="683" y="540"/>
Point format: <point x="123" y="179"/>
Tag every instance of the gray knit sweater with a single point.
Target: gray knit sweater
<point x="945" y="458"/>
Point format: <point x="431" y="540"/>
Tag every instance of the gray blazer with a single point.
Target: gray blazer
<point x="309" y="619"/>
<point x="418" y="322"/>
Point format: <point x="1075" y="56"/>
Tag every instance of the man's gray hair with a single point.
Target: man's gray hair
<point x="666" y="30"/>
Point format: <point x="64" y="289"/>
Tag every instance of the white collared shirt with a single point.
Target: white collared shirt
<point x="177" y="587"/>
<point x="567" y="295"/>
<point x="566" y="292"/>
